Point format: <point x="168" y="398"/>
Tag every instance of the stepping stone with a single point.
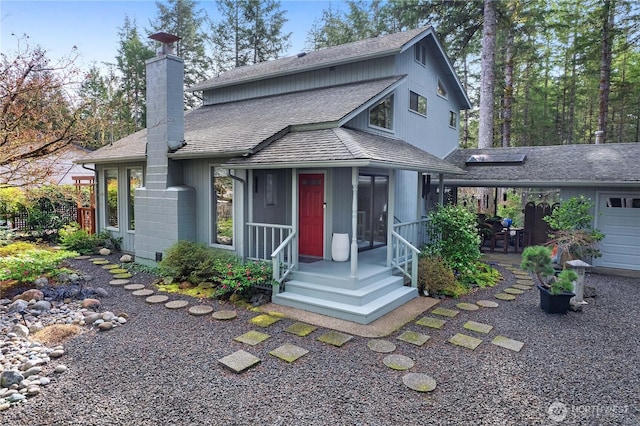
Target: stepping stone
<point x="505" y="296"/>
<point x="510" y="290"/>
<point x="82" y="257"/>
<point x="122" y="276"/>
<point x="487" y="304"/>
<point x="419" y="382"/>
<point x="117" y="270"/>
<point x="264" y="320"/>
<point x="289" y="352"/>
<point x="110" y="266"/>
<point x="335" y="338"/>
<point x="239" y="361"/>
<point x="478" y="327"/>
<point x="200" y="310"/>
<point x="300" y="329"/>
<point x="96" y="259"/>
<point x="467" y="306"/>
<point x="176" y="304"/>
<point x="431" y="322"/>
<point x="465" y="341"/>
<point x="134" y="286"/>
<point x="158" y="298"/>
<point x="225" y="315"/>
<point x="381" y="345"/>
<point x="522" y="287"/>
<point x="525" y="282"/>
<point x="252" y="337"/>
<point x="119" y="282"/>
<point x="101" y="262"/>
<point x="507" y="343"/>
<point x="445" y="312"/>
<point x="143" y="293"/>
<point x="414" y="338"/>
<point x="398" y="362"/>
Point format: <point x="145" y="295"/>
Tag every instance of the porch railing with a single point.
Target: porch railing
<point x="418" y="233"/>
<point x="404" y="257"/>
<point x="264" y="238"/>
<point x="283" y="263"/>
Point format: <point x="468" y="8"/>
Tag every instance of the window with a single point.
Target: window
<point x="111" y="197"/>
<point x="135" y="181"/>
<point x="421" y="53"/>
<point x="221" y="207"/>
<point x="270" y="190"/>
<point x="417" y="103"/>
<point x="453" y="119"/>
<point x="622" y="202"/>
<point x="381" y="115"/>
<point x="442" y="91"/>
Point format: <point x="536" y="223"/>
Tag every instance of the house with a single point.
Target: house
<point x="287" y="158"/>
<point x="608" y="174"/>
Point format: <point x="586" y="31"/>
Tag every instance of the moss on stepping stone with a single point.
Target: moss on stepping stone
<point x="110" y="266"/>
<point x="276" y="314"/>
<point x="97" y="259"/>
<point x="225" y="315"/>
<point x="143" y="293"/>
<point x="264" y="320"/>
<point x="487" y="304"/>
<point x="414" y="338"/>
<point x="117" y="270"/>
<point x="419" y="382"/>
<point x="525" y="282"/>
<point x="199" y="310"/>
<point x="134" y="286"/>
<point x="465" y="341"/>
<point x="119" y="282"/>
<point x="158" y="298"/>
<point x="82" y="257"/>
<point x="252" y="337"/>
<point x="467" y="306"/>
<point x="505" y="296"/>
<point x="431" y="322"/>
<point x="445" y="312"/>
<point x="511" y="290"/>
<point x="289" y="352"/>
<point x="478" y="327"/>
<point x="239" y="361"/>
<point x="101" y="262"/>
<point x="335" y="338"/>
<point x="300" y="329"/>
<point x="381" y="345"/>
<point x="122" y="276"/>
<point x="522" y="287"/>
<point x="398" y="362"/>
<point x="176" y="304"/>
<point x="507" y="343"/>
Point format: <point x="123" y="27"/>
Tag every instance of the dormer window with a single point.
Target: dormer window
<point x="442" y="91"/>
<point x="421" y="53"/>
<point x="417" y="103"/>
<point x="381" y="114"/>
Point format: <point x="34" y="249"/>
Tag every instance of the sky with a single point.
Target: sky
<point x="92" y="25"/>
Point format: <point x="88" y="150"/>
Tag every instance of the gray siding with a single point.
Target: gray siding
<point x="279" y="210"/>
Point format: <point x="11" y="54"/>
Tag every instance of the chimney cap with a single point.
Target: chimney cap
<point x="164" y="38"/>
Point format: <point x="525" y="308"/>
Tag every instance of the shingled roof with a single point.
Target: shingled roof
<point x="343" y="147"/>
<point x="552" y="166"/>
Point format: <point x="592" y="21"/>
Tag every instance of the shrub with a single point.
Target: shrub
<point x="183" y="258"/>
<point x="485" y="276"/>
<point x="537" y="259"/>
<point x="72" y="237"/>
<point x="16" y="248"/>
<point x="563" y="282"/>
<point x="30" y="264"/>
<point x="436" y="277"/>
<point x="238" y="278"/>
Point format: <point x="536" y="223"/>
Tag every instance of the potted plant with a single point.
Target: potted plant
<point x="555" y="292"/>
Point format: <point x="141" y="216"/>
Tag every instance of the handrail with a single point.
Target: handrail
<point x="263" y="238"/>
<point x="418" y="232"/>
<point x="400" y="259"/>
<point x="282" y="261"/>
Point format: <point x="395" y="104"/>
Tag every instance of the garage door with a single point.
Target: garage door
<point x="619" y="219"/>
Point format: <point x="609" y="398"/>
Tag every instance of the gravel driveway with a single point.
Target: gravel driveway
<point x="161" y="369"/>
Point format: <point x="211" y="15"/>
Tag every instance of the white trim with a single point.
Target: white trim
<point x="213" y="231"/>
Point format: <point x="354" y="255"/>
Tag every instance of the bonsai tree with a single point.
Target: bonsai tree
<point x="563" y="283"/>
<point x="537" y="259"/>
<point x="572" y="229"/>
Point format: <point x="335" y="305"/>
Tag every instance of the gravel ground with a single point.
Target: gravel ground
<point x="161" y="369"/>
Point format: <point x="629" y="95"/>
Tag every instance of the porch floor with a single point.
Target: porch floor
<point x="369" y="262"/>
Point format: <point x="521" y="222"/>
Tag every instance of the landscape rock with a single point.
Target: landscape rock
<point x="125" y="258"/>
<point x="41" y="305"/>
<point x="20" y="330"/>
<point x="10" y="377"/>
<point x="41" y="282"/>
<point x="104" y="252"/>
<point x="91" y="303"/>
<point x="104" y="326"/>
<point x="30" y="295"/>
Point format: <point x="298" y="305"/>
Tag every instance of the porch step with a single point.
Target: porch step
<point x="366" y="276"/>
<point x="357" y="297"/>
<point x="363" y="314"/>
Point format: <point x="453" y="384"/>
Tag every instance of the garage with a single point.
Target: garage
<point x="618" y="217"/>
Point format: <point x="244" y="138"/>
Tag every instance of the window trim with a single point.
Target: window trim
<point x="391" y="114"/>
<point x="441" y="87"/>
<point x="107" y="226"/>
<point x="213" y="204"/>
<point x="420" y="54"/>
<point x="453" y="115"/>
<point x="426" y="107"/>
<point x="129" y="210"/>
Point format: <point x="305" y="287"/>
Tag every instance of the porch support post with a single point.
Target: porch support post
<point x="294" y="215"/>
<point x="391" y="202"/>
<point x="354" y="223"/>
<point x="440" y="189"/>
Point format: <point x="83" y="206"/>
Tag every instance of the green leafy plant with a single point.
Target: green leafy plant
<point x="537" y="259"/>
<point x="563" y="283"/>
<point x="72" y="237"/>
<point x="183" y="259"/>
<point x="485" y="276"/>
<point x="435" y="276"/>
<point x="238" y="278"/>
<point x="27" y="265"/>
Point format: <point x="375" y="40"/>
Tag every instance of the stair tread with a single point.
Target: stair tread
<point x="386" y="282"/>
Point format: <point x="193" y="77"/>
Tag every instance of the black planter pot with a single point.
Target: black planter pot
<point x="554" y="304"/>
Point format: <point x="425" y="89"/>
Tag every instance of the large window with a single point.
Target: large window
<point x="111" y="197"/>
<point x="221" y="207"/>
<point x="135" y="181"/>
<point x="417" y="103"/>
<point x="381" y="115"/>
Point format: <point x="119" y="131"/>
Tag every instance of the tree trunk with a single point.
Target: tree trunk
<point x="487" y="82"/>
<point x="605" y="64"/>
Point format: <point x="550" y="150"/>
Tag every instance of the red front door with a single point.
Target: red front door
<point x="311" y="214"/>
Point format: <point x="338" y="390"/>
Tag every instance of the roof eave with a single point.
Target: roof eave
<point x="539" y="183"/>
<point x="128" y="159"/>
